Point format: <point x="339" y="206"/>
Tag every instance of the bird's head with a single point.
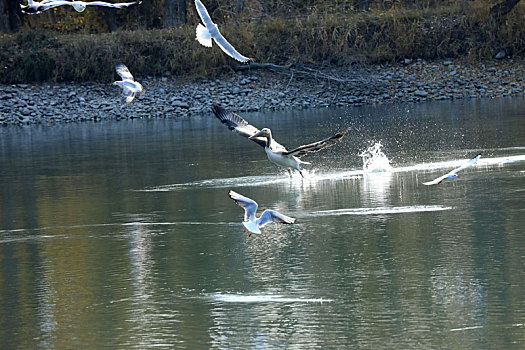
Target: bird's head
<point x="262" y="133"/>
<point x="79" y="6"/>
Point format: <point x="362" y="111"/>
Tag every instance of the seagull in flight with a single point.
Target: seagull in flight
<point x="252" y="223"/>
<point x="210" y="31"/>
<point x="34" y="7"/>
<point x="129" y="86"/>
<point x="451" y="176"/>
<point x="276" y="152"/>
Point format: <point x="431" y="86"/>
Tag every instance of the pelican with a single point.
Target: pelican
<point x="451" y="176"/>
<point x="276" y="152"/>
<point x="130" y="87"/>
<point x="34" y="8"/>
<point x="210" y="31"/>
<point x="252" y="223"/>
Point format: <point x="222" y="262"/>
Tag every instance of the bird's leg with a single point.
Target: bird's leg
<point x="301" y="172"/>
<point x="289" y="172"/>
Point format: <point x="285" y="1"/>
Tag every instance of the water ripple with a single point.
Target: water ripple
<point x="380" y="210"/>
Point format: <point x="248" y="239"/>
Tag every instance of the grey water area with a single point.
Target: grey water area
<point x="122" y="235"/>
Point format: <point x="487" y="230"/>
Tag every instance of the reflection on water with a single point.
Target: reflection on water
<point x="122" y="234"/>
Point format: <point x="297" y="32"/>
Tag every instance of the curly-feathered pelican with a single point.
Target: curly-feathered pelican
<point x="276" y="152"/>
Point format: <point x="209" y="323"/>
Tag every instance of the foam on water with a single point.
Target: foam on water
<point x="261" y="298"/>
<point x="374" y="160"/>
<point x="380" y="210"/>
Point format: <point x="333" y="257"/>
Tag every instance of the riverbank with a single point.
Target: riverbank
<point x="254" y="90"/>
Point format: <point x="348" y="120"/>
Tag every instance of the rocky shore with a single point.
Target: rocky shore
<point x="257" y="89"/>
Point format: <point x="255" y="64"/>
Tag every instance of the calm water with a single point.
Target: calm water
<point x="121" y="234"/>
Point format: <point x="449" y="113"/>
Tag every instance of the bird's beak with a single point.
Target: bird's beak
<point x="257" y="134"/>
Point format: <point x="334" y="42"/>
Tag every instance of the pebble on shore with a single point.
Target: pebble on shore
<point x="254" y="90"/>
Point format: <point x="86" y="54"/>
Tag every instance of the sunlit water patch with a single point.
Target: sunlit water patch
<point x="262" y="298"/>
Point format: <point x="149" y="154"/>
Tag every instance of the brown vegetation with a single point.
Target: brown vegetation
<point x="318" y="38"/>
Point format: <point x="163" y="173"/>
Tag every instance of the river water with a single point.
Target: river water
<point x="122" y="234"/>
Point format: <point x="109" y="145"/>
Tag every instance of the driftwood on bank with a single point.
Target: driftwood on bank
<point x="294" y="69"/>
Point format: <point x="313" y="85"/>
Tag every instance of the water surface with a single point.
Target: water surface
<point x="121" y="234"/>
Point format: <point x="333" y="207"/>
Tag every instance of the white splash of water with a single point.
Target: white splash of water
<point x="381" y="210"/>
<point x="240" y="298"/>
<point x="374" y="160"/>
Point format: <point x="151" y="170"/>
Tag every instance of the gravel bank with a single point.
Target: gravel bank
<point x="253" y="90"/>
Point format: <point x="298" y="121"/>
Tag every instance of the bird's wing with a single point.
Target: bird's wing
<point x="316" y="146"/>
<point x="436" y="181"/>
<point x="52" y="4"/>
<point x="249" y="205"/>
<point x="121" y="5"/>
<point x="470" y="163"/>
<point x="43" y="2"/>
<point x="203" y="13"/>
<point x="237" y="124"/>
<point x="273" y="216"/>
<point x="229" y="49"/>
<point x="127" y="95"/>
<point x="123" y="71"/>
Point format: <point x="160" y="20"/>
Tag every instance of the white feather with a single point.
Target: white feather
<point x="203" y="36"/>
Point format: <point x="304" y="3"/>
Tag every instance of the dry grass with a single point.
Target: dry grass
<point x="319" y="39"/>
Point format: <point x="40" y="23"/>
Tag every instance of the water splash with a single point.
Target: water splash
<point x="262" y="298"/>
<point x="374" y="160"/>
<point x="381" y="210"/>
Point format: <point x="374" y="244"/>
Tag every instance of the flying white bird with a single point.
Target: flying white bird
<point x="129" y="86"/>
<point x="453" y="174"/>
<point x="33" y="7"/>
<point x="210" y="31"/>
<point x="276" y="152"/>
<point x="252" y="223"/>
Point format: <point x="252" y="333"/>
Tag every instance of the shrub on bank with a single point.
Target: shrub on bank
<point x="318" y="39"/>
